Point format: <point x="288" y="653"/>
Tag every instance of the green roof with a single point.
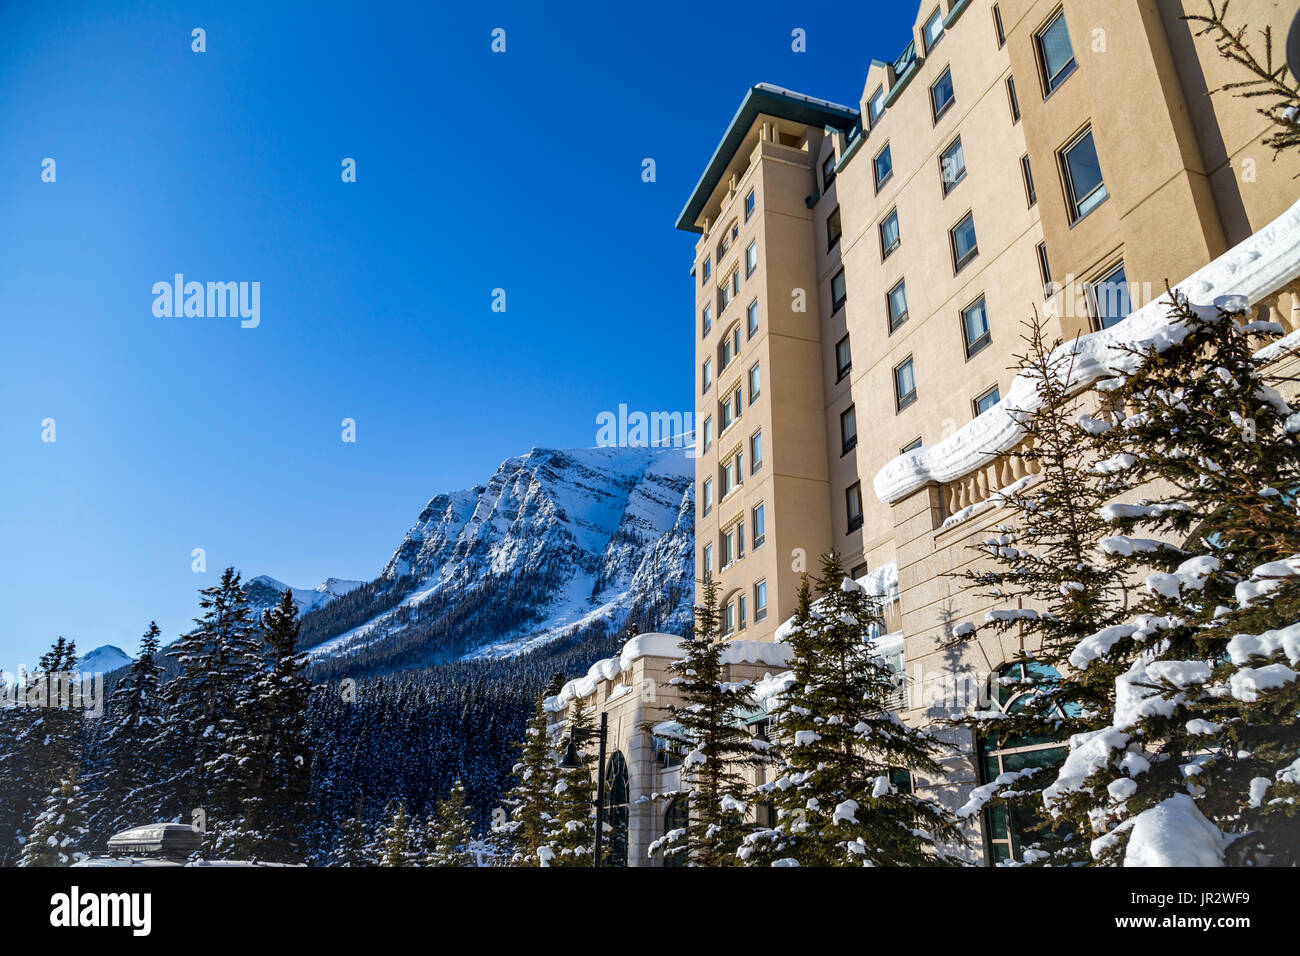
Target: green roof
<point x="763" y="98"/>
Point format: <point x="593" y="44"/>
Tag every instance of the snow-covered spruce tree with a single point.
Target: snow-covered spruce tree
<point x="1208" y="708"/>
<point x="449" y="832"/>
<point x="573" y="836"/>
<point x="531" y="801"/>
<point x="125" y="764"/>
<point x="397" y="839"/>
<point x="720" y="748"/>
<point x="1044" y="562"/>
<point x="355" y="843"/>
<point x="42" y="746"/>
<point x="840" y="745"/>
<point x="59" y="834"/>
<point x="204" y="705"/>
<point x="267" y="769"/>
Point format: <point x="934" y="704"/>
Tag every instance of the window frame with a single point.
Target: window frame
<point x="1045" y="269"/>
<point x="946" y="186"/>
<point x="887" y="251"/>
<point x="936" y="111"/>
<point x="961" y="262"/>
<point x="1072" y="201"/>
<point x="751" y="319"/>
<point x="896" y="322"/>
<point x="828" y="179"/>
<point x="751" y="258"/>
<point x="875" y="167"/>
<point x="1053" y="81"/>
<point x="1013" y="100"/>
<point x="975" y="402"/>
<point x="985" y="339"/>
<point x="852" y="492"/>
<point x="756" y="452"/>
<point x="848" y="442"/>
<point x="1090" y="293"/>
<point x="755" y="373"/>
<point x="1027" y="175"/>
<point x="926" y="46"/>
<point x="760" y="606"/>
<point x="873" y="115"/>
<point x="833" y="240"/>
<point x="706" y="493"/>
<point x="750" y="203"/>
<point x="842" y="370"/>
<point x="902" y="401"/>
<point x="837" y="304"/>
<point x="998" y="30"/>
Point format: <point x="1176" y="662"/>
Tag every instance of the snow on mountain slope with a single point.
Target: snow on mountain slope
<point x="264" y="592"/>
<point x="554" y="542"/>
<point x="103" y="660"/>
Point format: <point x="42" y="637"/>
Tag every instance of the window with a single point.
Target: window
<point x="731" y="475"/>
<point x="848" y="430"/>
<point x="952" y="166"/>
<point x="742" y="603"/>
<point x="975" y="326"/>
<point x="897" y="302"/>
<point x="755" y="383"/>
<point x="941" y="95"/>
<point x="964" y="246"/>
<point x="859" y="571"/>
<point x="1055" y="54"/>
<point x="729" y="409"/>
<point x="752" y="314"/>
<point x="729" y="348"/>
<point x="838" y="291"/>
<point x="755" y="456"/>
<point x="677" y="816"/>
<point x="760" y="535"/>
<point x="749" y="205"/>
<point x="708" y="432"/>
<point x="1109" y="298"/>
<point x="853" y="505"/>
<point x="913" y="445"/>
<point x="1045" y="270"/>
<point x="889" y="235"/>
<point x="729" y="612"/>
<point x="708" y="319"/>
<point x="876" y="105"/>
<point x="932" y="33"/>
<point x="997" y="27"/>
<point x="1030" y="193"/>
<point x="904" y="384"/>
<point x="706" y="271"/>
<point x="1012" y="100"/>
<point x="708" y="374"/>
<point x="708" y="496"/>
<point x="751" y="258"/>
<point x="986" y="401"/>
<point x="616" y="812"/>
<point x="708" y="560"/>
<point x="833" y="230"/>
<point x="843" y="358"/>
<point x="760" y="601"/>
<point x="828" y="171"/>
<point x="1007" y="824"/>
<point x="1084" y="188"/>
<point x="884" y="167"/>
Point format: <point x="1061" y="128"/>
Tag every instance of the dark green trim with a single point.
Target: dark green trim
<point x="758" y="99"/>
<point x="957" y="10"/>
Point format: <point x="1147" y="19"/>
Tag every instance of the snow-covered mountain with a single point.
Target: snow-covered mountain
<point x="264" y="592"/>
<point x="103" y="660"/>
<point x="555" y="544"/>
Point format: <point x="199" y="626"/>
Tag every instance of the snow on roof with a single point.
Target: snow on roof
<point x="1263" y="263"/>
<point x="782" y="91"/>
<point x="661" y="645"/>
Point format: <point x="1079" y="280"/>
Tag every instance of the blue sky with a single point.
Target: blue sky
<point x="475" y="171"/>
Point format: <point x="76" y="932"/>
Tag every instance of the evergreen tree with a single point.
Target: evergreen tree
<point x="41" y="741"/>
<point x="58" y="836"/>
<point x="573" y="836"/>
<point x="267" y="770"/>
<point x="397" y="843"/>
<point x="449" y="832"/>
<point x="842" y="791"/>
<point x="205" y="706"/>
<point x="1208" y="703"/>
<point x="1045" y="563"/>
<point x="720" y="747"/>
<point x="531" y="801"/>
<point x="355" y="844"/>
<point x="124" y="762"/>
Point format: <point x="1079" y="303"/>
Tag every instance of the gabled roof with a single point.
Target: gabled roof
<point x="772" y="101"/>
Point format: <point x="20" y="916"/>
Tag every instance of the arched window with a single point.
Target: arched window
<point x="616" y="811"/>
<point x="1007" y="827"/>
<point x="675" y="818"/>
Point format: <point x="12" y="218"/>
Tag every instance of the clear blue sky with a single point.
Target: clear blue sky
<point x="475" y="171"/>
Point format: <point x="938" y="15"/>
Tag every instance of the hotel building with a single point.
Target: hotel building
<point x="861" y="279"/>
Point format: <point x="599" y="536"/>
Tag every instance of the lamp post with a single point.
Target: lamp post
<point x="571" y="761"/>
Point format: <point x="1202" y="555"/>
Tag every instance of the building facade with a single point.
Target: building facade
<point x="862" y="276"/>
